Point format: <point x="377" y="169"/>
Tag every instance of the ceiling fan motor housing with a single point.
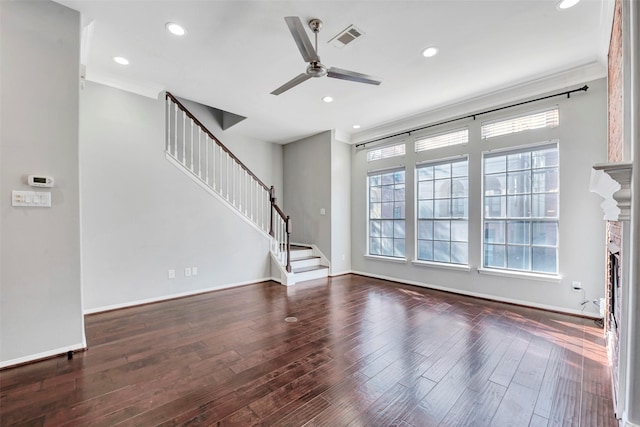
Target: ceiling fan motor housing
<point x="316" y="69"/>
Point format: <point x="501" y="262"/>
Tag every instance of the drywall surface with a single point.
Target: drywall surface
<point x="40" y="288"/>
<point x="582" y="143"/>
<point x="307" y="190"/>
<point x="142" y="216"/>
<point x="340" y="207"/>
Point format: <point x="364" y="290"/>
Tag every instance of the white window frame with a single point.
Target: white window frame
<point x="451" y="218"/>
<point x="381" y="172"/>
<point x="531" y="219"/>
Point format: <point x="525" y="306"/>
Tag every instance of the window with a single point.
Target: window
<point x="386" y="152"/>
<point x="521" y="197"/>
<point x="442" y="193"/>
<point x="541" y="119"/>
<point x="387" y="213"/>
<point x="460" y="136"/>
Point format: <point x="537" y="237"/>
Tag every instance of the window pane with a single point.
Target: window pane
<point x="545" y="205"/>
<point x="518" y="257"/>
<point x="459" y="187"/>
<point x="545" y="233"/>
<point x="387" y="193"/>
<point x="425" y="190"/>
<point x="442" y="208"/>
<point x="387" y="229"/>
<point x="544" y="260"/>
<point x="519" y="182"/>
<point x="375" y="228"/>
<point x="495" y="164"/>
<point x="441" y="251"/>
<point x="519" y="232"/>
<point x="425" y="250"/>
<point x="425" y="230"/>
<point x="425" y="209"/>
<point x="518" y="206"/>
<point x="374" y="180"/>
<point x="518" y="161"/>
<point x="374" y="246"/>
<point x="459" y="169"/>
<point x="386" y="246"/>
<point x="459" y="208"/>
<point x="398" y="248"/>
<point x="443" y="171"/>
<point x="398" y="177"/>
<point x="494" y="256"/>
<point x="545" y="158"/>
<point x="495" y="206"/>
<point x="442" y="230"/>
<point x="425" y="172"/>
<point x="374" y="194"/>
<point x="387" y="179"/>
<point x="459" y="253"/>
<point x="494" y="232"/>
<point x="398" y="210"/>
<point x="495" y="184"/>
<point x="375" y="210"/>
<point x="398" y="194"/>
<point x="545" y="181"/>
<point x="459" y="231"/>
<point x="443" y="188"/>
<point x="398" y="229"/>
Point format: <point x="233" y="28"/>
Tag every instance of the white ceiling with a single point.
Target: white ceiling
<point x="236" y="52"/>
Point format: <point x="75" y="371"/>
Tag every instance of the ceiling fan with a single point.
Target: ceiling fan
<point x="310" y="55"/>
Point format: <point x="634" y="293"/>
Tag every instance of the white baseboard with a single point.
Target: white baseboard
<point x="340" y="273"/>
<point x="43" y="355"/>
<point x="630" y="424"/>
<point x="480" y="295"/>
<point x="173" y="296"/>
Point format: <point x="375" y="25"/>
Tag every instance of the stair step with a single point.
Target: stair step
<point x="301" y="248"/>
<point x="311" y="268"/>
<point x="306" y="261"/>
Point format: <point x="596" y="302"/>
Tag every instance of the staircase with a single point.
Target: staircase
<point x="193" y="149"/>
<point x="306" y="265"/>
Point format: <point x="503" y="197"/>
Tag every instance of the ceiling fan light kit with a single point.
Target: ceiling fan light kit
<point x="310" y="55"/>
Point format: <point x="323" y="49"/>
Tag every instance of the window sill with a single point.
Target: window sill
<point x="457" y="267"/>
<point x="386" y="258"/>
<point x="556" y="278"/>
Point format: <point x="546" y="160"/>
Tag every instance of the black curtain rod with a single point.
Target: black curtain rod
<point x="408" y="132"/>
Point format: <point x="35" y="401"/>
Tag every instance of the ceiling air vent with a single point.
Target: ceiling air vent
<point x="349" y="35"/>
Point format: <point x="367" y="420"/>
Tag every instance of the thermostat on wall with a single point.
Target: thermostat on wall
<point x="40" y="181"/>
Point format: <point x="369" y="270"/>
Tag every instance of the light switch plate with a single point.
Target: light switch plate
<point x="36" y="199"/>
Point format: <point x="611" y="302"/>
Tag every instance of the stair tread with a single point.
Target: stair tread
<point x="312" y="268"/>
<point x="301" y="248"/>
<point x="306" y="258"/>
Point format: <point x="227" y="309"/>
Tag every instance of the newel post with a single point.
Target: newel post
<point x="272" y="199"/>
<point x="288" y="244"/>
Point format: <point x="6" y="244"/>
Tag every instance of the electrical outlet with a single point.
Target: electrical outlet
<point x="194" y="271"/>
<point x="187" y="272"/>
<point x="576" y="286"/>
<point x="171" y="274"/>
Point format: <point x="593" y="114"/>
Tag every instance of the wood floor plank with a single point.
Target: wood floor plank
<point x="363" y="352"/>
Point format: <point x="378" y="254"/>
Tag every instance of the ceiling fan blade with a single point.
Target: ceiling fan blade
<point x="302" y="39"/>
<point x="291" y="83"/>
<point x="338" y="73"/>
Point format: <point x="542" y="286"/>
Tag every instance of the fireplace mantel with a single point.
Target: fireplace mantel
<point x="612" y="181"/>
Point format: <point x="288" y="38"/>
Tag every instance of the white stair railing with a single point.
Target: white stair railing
<point x="190" y="144"/>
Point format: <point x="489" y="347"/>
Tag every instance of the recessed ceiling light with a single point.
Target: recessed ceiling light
<point x="176" y="29"/>
<point x="327" y="99"/>
<point x="429" y="52"/>
<point x="356" y="126"/>
<point x="121" y="60"/>
<point x="566" y="4"/>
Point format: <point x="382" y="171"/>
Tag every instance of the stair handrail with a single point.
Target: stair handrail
<point x="273" y="201"/>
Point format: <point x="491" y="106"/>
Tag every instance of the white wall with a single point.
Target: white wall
<point x="141" y="216"/>
<point x="40" y="289"/>
<point x="307" y="190"/>
<point x="582" y="141"/>
<point x="340" y="207"/>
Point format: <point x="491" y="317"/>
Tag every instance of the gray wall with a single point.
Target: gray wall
<point x="41" y="300"/>
<point x="582" y="141"/>
<point x="142" y="216"/>
<point x="307" y="189"/>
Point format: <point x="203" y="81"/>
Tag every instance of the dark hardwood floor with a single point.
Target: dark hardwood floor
<point x="362" y="352"/>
